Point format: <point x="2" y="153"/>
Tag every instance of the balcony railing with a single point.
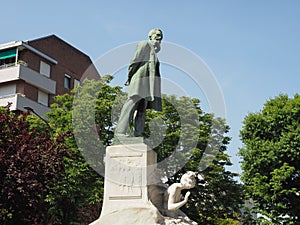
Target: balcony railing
<point x="4" y="66"/>
<point x="21" y="72"/>
<point x="19" y="102"/>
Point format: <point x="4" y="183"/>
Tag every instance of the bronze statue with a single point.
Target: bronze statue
<point x="144" y="85"/>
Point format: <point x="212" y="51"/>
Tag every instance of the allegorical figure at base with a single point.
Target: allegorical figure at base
<point x="173" y="201"/>
<point x="173" y="197"/>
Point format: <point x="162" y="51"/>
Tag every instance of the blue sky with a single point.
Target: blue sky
<point x="252" y="47"/>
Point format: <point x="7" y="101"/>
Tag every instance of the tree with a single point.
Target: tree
<point x="86" y="110"/>
<point x="30" y="165"/>
<point x="270" y="159"/>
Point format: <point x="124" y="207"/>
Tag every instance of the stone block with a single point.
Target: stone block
<point x="128" y="172"/>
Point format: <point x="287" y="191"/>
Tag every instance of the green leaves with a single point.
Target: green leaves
<point x="271" y="157"/>
<point x="83" y="114"/>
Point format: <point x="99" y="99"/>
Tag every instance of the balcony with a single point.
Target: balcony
<point x="21" y="72"/>
<point x="19" y="102"/>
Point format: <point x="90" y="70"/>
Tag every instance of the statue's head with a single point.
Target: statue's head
<point x="188" y="180"/>
<point x="155" y="36"/>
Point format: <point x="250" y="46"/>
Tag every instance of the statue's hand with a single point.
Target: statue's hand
<point x="186" y="197"/>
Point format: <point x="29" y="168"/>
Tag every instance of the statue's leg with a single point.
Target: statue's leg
<point x="126" y="116"/>
<point x="140" y="118"/>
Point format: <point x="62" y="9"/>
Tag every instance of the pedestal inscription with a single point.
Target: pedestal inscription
<point x="126" y="176"/>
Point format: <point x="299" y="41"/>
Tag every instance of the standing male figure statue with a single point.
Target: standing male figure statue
<point x="144" y="85"/>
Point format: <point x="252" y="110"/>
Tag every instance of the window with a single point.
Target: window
<point x="43" y="98"/>
<point x="45" y="69"/>
<point x="8" y="89"/>
<point x="76" y="83"/>
<point x="67" y="81"/>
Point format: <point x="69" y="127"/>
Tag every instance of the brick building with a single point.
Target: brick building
<point x="32" y="72"/>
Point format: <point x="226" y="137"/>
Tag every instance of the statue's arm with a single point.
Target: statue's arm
<point x="137" y="60"/>
<point x="173" y="205"/>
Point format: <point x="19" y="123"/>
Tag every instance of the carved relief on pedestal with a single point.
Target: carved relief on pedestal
<point x="125" y="176"/>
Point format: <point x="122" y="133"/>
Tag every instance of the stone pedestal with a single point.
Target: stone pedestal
<point x="128" y="172"/>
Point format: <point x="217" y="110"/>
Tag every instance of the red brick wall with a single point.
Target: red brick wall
<point x="32" y="59"/>
<point x="20" y="89"/>
<point x="28" y="90"/>
<point x="31" y="92"/>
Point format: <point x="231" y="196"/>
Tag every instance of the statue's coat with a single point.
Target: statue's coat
<point x="144" y="75"/>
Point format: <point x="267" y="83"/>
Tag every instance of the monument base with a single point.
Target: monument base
<point x="132" y="216"/>
<point x="128" y="172"/>
<point x="132" y="193"/>
<point x="176" y="221"/>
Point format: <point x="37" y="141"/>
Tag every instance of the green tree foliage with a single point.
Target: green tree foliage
<point x="81" y="187"/>
<point x="31" y="164"/>
<point x="270" y="159"/>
